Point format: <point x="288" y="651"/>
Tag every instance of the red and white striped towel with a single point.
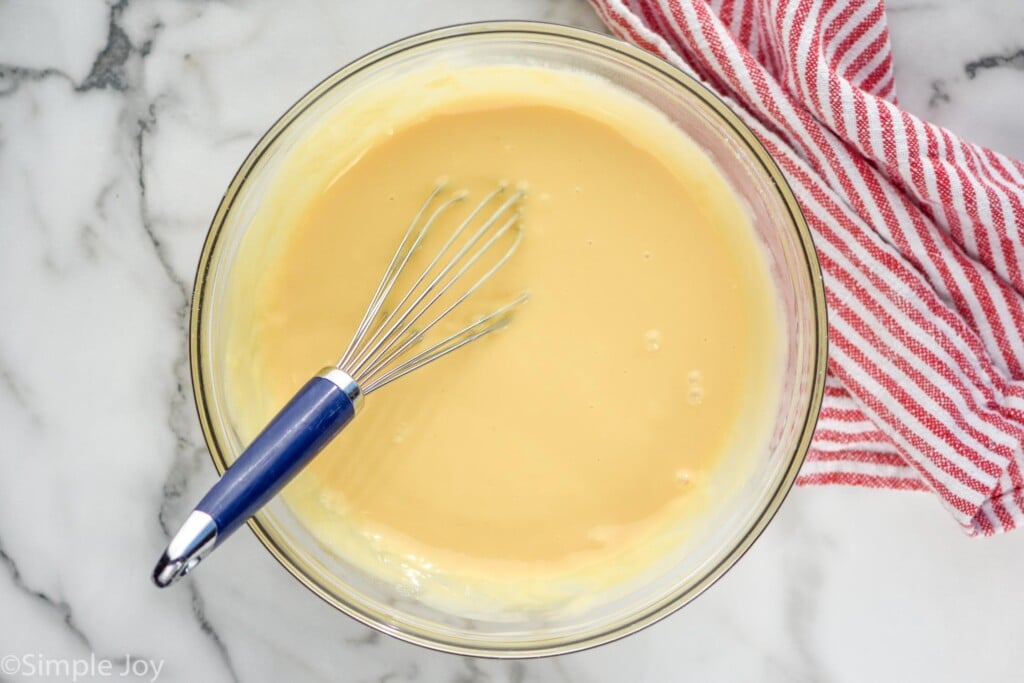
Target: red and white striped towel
<point x="920" y="236"/>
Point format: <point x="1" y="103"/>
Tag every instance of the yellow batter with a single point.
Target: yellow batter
<point x="576" y="447"/>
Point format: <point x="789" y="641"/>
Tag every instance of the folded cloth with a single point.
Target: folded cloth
<point x="920" y="237"/>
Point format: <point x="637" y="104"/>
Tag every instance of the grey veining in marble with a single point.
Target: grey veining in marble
<point x="120" y="125"/>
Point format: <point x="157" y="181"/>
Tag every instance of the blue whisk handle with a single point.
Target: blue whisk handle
<point x="314" y="416"/>
<point x="298" y="432"/>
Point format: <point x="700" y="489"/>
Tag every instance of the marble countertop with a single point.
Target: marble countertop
<point x="120" y="126"/>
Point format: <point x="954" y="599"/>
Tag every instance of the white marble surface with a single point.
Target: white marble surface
<point x="119" y="129"/>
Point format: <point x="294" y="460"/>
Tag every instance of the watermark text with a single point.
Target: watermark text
<point x="37" y="665"/>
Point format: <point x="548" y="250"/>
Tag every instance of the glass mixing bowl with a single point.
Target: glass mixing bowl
<point x="776" y="218"/>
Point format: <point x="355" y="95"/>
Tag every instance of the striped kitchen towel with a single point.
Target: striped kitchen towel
<point x="920" y="236"/>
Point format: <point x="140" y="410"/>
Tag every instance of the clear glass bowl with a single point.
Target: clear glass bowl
<point x="776" y="217"/>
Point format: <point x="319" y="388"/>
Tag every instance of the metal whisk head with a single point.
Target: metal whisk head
<point x="384" y="347"/>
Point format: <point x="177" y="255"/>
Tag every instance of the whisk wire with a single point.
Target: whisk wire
<point x="387" y="326"/>
<point x="419" y="308"/>
<point x="387" y="282"/>
<point x="381" y="360"/>
<point x="470" y="333"/>
<point x="451" y="240"/>
<point x="395" y="329"/>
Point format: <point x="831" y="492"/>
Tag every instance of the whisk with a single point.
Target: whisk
<point x="384" y="348"/>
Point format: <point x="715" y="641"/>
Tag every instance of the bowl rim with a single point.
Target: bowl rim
<point x="743" y="134"/>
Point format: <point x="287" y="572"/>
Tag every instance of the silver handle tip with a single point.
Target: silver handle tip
<point x="194" y="541"/>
